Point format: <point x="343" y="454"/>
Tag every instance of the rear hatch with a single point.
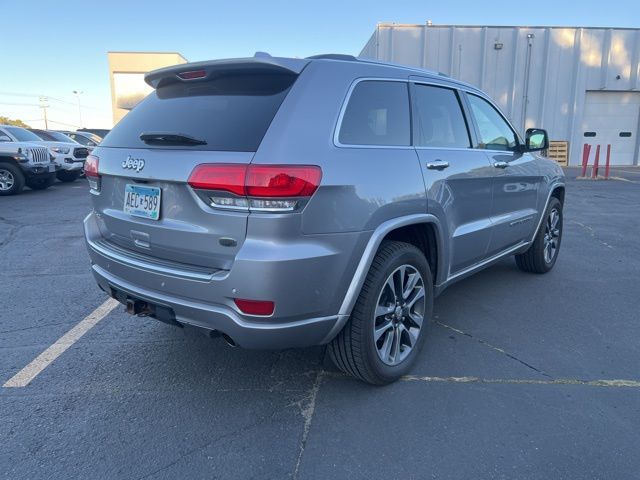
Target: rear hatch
<point x="206" y="113"/>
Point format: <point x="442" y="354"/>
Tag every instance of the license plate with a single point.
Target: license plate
<point x="141" y="201"/>
<point x="52" y="168"/>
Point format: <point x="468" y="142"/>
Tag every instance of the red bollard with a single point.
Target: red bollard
<point x="586" y="150"/>
<point x="606" y="168"/>
<point x="594" y="170"/>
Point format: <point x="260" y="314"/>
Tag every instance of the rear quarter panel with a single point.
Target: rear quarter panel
<point x="361" y="188"/>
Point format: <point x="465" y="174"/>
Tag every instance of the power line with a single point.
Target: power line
<point x="20" y="104"/>
<point x="19" y="94"/>
<point x="16" y="94"/>
<point x="63" y="123"/>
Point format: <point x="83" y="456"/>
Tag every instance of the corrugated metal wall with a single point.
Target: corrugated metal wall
<point x="563" y="64"/>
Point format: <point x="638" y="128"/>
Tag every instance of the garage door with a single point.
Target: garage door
<point x="612" y="118"/>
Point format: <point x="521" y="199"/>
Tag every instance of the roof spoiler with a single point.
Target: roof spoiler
<point x="187" y="72"/>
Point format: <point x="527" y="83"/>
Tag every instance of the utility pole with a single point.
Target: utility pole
<point x="44" y="104"/>
<point x="77" y="93"/>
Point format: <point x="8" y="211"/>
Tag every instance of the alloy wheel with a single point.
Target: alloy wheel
<point x="399" y="315"/>
<point x="551" y="235"/>
<point x="6" y="180"/>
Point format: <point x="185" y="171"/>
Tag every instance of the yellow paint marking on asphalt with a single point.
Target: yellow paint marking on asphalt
<point x="42" y="361"/>
<point x="557" y="381"/>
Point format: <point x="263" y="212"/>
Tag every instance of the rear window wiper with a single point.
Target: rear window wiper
<point x="165" y="138"/>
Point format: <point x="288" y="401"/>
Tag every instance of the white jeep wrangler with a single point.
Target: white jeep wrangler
<point x="23" y="163"/>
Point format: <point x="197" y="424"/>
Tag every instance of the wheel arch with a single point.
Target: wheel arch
<point x="426" y="224"/>
<point x="422" y="230"/>
<point x="558" y="192"/>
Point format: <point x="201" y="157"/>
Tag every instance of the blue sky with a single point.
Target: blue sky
<point x="61" y="46"/>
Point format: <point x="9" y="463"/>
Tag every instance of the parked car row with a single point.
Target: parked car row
<point x="35" y="157"/>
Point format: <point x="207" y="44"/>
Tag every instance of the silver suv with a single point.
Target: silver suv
<point x="284" y="202"/>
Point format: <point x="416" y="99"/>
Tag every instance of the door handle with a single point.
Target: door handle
<point x="437" y="165"/>
<point x="501" y="164"/>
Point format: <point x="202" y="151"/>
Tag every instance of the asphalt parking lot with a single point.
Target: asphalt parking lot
<point x="522" y="376"/>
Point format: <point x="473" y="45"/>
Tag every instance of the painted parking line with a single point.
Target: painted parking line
<point x="42" y="361"/>
<point x="555" y="381"/>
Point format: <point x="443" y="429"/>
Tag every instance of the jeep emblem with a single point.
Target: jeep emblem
<point x="131" y="163"/>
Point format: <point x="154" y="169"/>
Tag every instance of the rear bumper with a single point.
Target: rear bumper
<point x="205" y="299"/>
<point x="247" y="334"/>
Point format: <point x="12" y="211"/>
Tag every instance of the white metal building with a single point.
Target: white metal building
<point x="581" y="84"/>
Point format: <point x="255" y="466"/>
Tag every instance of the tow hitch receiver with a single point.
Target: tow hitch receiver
<point x="142" y="308"/>
<point x="138" y="307"/>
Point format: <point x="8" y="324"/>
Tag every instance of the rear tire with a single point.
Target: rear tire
<point x="543" y="252"/>
<point x="68" y="176"/>
<point x="383" y="336"/>
<point x="41" y="183"/>
<point x="11" y="179"/>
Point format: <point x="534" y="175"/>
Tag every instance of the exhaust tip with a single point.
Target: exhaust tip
<point x="229" y="340"/>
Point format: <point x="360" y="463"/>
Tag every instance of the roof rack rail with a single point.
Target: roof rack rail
<point x="333" y="56"/>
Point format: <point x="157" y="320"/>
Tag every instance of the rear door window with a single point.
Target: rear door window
<point x="437" y="118"/>
<point x="377" y="114"/>
<point x="229" y="113"/>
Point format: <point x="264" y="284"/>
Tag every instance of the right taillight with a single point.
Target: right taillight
<point x="268" y="188"/>
<point x="91" y="172"/>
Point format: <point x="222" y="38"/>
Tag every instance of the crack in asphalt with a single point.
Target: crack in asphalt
<point x="493" y="347"/>
<point x="307" y="412"/>
<point x="36" y="326"/>
<point x="591" y="232"/>
<point x="199" y="448"/>
<point x="14" y="227"/>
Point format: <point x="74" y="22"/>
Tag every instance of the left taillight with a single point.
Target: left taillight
<point x="91" y="165"/>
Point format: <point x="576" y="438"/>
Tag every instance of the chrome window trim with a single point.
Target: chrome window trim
<point x="464" y="149"/>
<point x="411" y="79"/>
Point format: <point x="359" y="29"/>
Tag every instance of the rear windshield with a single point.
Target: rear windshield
<point x="46" y="136"/>
<point x="230" y="113"/>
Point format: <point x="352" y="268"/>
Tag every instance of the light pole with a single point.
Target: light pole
<point x="77" y="93"/>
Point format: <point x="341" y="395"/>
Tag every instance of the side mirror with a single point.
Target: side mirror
<point x="4" y="138"/>
<point x="536" y="139"/>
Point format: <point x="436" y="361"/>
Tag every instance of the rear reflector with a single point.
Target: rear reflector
<point x="255" y="307"/>
<point x="261" y="181"/>
<point x="192" y="75"/>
